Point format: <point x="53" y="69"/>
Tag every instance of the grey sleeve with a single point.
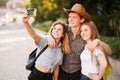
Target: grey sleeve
<point x="42" y="43"/>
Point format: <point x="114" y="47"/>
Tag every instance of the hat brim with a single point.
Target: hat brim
<point x="83" y="14"/>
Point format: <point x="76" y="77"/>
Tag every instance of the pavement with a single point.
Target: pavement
<point x="15" y="46"/>
<point x="115" y="74"/>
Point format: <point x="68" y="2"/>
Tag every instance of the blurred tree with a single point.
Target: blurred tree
<point x="106" y="16"/>
<point x="26" y="3"/>
<point x="46" y="10"/>
<point x="3" y="3"/>
<point x="105" y="13"/>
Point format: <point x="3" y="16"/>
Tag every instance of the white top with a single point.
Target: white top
<point x="88" y="66"/>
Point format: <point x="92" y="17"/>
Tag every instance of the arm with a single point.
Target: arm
<point x="96" y="42"/>
<point x="103" y="65"/>
<point x="106" y="47"/>
<point x="102" y="61"/>
<point x="30" y="30"/>
<point x="56" y="73"/>
<point x="51" y="41"/>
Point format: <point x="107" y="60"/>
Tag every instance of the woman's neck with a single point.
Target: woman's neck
<point x="57" y="41"/>
<point x="88" y="42"/>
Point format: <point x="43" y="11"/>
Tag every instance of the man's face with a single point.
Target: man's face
<point x="74" y="19"/>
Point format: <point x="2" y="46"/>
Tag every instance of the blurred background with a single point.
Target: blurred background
<point x="15" y="40"/>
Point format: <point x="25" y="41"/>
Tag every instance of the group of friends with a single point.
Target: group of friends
<point x="75" y="51"/>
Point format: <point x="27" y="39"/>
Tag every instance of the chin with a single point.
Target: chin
<point x="84" y="39"/>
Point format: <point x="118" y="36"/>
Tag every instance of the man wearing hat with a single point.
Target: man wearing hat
<point x="71" y="65"/>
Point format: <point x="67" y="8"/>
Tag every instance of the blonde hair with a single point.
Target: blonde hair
<point x="94" y="32"/>
<point x="64" y="39"/>
<point x="94" y="35"/>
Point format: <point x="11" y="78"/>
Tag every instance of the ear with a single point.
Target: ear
<point x="82" y="20"/>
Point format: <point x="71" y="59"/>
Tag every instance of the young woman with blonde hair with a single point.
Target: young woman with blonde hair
<point x="94" y="63"/>
<point x="47" y="64"/>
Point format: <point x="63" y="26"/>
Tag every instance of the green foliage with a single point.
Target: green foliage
<point x="114" y="43"/>
<point x="114" y="23"/>
<point x="105" y="13"/>
<point x="45" y="26"/>
<point x="3" y="3"/>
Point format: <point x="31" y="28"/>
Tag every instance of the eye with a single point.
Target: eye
<point x="85" y="29"/>
<point x="54" y="28"/>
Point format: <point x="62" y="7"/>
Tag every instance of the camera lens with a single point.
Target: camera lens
<point x="30" y="11"/>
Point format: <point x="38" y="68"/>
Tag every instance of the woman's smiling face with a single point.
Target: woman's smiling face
<point x="85" y="32"/>
<point x="57" y="31"/>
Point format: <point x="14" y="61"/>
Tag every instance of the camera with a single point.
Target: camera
<point x="32" y="12"/>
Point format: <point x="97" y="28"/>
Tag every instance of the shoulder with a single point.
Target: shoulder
<point x="98" y="51"/>
<point x="43" y="41"/>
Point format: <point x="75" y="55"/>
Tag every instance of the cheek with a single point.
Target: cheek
<point x="81" y="33"/>
<point x="62" y="34"/>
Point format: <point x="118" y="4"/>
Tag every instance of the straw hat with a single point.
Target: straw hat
<point x="78" y="8"/>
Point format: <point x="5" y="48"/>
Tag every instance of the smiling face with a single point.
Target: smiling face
<point x="86" y="32"/>
<point x="57" y="31"/>
<point x="89" y="31"/>
<point x="74" y="19"/>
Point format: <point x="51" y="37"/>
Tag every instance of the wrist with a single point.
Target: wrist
<point x="99" y="78"/>
<point x="25" y="22"/>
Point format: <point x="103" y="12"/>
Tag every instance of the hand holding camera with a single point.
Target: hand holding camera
<point x="32" y="12"/>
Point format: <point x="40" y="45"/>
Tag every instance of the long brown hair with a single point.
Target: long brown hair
<point x="64" y="39"/>
<point x="94" y="32"/>
<point x="93" y="35"/>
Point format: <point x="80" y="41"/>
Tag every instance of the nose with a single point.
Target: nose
<point x="56" y="30"/>
<point x="70" y="19"/>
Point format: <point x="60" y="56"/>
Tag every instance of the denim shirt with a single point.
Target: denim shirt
<point x="50" y="57"/>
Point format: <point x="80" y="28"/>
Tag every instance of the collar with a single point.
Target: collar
<point x="69" y="30"/>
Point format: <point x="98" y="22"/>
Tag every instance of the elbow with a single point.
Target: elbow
<point x="36" y="38"/>
<point x="104" y="65"/>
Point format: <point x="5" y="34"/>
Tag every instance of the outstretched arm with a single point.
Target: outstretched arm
<point x="30" y="29"/>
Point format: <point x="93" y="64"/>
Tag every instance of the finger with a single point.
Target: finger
<point x="52" y="44"/>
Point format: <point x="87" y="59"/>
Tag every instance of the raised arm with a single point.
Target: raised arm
<point x="29" y="28"/>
